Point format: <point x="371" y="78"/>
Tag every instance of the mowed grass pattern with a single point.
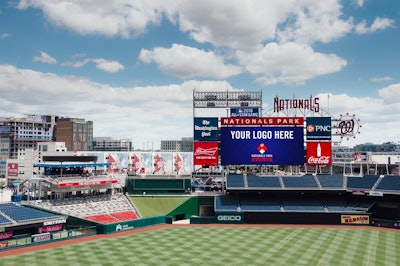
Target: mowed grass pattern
<point x="195" y="245"/>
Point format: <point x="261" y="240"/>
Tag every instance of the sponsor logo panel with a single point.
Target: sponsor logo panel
<point x="205" y="129"/>
<point x="205" y="153"/>
<point x="319" y="153"/>
<point x="318" y="128"/>
<point x="355" y="219"/>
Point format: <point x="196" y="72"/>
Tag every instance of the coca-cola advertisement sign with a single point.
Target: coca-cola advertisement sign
<point x="319" y="153"/>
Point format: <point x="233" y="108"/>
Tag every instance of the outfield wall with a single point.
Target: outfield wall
<point x="284" y="218"/>
<point x="129" y="225"/>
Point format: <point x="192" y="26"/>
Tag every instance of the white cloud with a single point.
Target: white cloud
<point x="150" y="113"/>
<point x="315" y="21"/>
<point x="108" y="66"/>
<point x="289" y="63"/>
<point x="187" y="62"/>
<point x="45" y="58"/>
<point x="378" y="24"/>
<point x="109" y="18"/>
<point x="4" y="36"/>
<point x="271" y="30"/>
<point x="101" y="64"/>
<point x="378" y="117"/>
<point x="238" y="24"/>
<point x="391" y="95"/>
<point x="381" y="79"/>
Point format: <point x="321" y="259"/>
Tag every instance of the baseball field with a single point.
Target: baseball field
<point x="224" y="245"/>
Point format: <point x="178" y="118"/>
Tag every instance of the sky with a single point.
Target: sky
<point x="131" y="66"/>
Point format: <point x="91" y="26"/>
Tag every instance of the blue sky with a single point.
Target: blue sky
<point x="131" y="66"/>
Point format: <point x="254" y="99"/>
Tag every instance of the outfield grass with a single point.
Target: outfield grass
<point x="196" y="245"/>
<point x="156" y="206"/>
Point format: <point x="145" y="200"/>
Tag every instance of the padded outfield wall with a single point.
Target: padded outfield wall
<point x="167" y="185"/>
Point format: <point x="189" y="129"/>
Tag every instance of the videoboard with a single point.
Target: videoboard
<point x="269" y="145"/>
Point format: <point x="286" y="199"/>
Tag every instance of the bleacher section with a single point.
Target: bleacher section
<point x="335" y="205"/>
<point x="4" y="220"/>
<point x="294" y="205"/>
<point x="365" y="182"/>
<point x="22" y="214"/>
<point x="226" y="203"/>
<point x="102" y="208"/>
<point x="389" y="182"/>
<point x="334" y="181"/>
<point x="260" y="204"/>
<point x="254" y="181"/>
<point x="254" y="203"/>
<point x="299" y="182"/>
<point x="235" y="181"/>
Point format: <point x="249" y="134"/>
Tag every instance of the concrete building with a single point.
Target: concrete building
<point x="20" y="135"/>
<point x="76" y="133"/>
<point x="111" y="144"/>
<point x="183" y="145"/>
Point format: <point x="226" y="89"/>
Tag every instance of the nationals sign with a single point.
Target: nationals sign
<point x="262" y="145"/>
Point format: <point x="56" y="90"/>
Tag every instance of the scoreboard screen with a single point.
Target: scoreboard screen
<point x="262" y="145"/>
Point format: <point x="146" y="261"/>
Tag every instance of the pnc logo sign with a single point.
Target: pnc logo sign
<point x="318" y="128"/>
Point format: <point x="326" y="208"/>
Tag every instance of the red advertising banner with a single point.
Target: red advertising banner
<point x="205" y="153"/>
<point x="12" y="169"/>
<point x="50" y="228"/>
<point x="88" y="183"/>
<point x="6" y="235"/>
<point x="319" y="153"/>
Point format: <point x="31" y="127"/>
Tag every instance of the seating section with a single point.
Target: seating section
<point x="331" y="181"/>
<point x="389" y="182"/>
<point x="226" y="203"/>
<point x="335" y="205"/>
<point x="125" y="216"/>
<point x="24" y="214"/>
<point x="4" y="220"/>
<point x="102" y="208"/>
<point x="305" y="181"/>
<point x="313" y="182"/>
<point x="102" y="219"/>
<point x="361" y="204"/>
<point x="302" y="205"/>
<point x="366" y="182"/>
<point x="254" y="181"/>
<point x="235" y="181"/>
<point x="260" y="204"/>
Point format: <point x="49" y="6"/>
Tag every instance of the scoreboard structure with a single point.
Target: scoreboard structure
<point x="296" y="132"/>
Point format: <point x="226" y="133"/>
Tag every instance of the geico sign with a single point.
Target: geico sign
<point x="229" y="218"/>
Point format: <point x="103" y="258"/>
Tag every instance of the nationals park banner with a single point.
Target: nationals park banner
<point x="262" y="145"/>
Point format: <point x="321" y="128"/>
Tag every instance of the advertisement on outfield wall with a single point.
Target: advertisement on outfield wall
<point x="262" y="145"/>
<point x="205" y="129"/>
<point x="355" y="219"/>
<point x="319" y="153"/>
<point x="205" y="153"/>
<point x="318" y="128"/>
